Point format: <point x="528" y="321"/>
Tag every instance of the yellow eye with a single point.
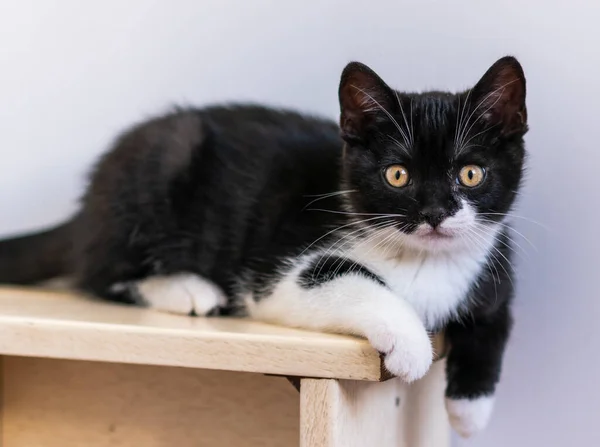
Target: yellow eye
<point x="397" y="176"/>
<point x="471" y="176"/>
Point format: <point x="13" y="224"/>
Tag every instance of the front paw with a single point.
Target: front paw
<point x="408" y="353"/>
<point x="469" y="416"/>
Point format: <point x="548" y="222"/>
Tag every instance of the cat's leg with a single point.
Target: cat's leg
<point x="180" y="293"/>
<point x="473" y="368"/>
<point x="343" y="297"/>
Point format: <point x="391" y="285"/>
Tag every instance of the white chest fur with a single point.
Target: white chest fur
<point x="435" y="284"/>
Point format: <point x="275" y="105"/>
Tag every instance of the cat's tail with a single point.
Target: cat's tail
<point x="36" y="257"/>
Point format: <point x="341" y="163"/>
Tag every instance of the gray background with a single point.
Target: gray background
<point x="72" y="74"/>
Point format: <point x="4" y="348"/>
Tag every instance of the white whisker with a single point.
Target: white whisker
<point x="355" y="214"/>
<point x="389" y="115"/>
<point x="517" y="217"/>
<point x="461" y="117"/>
<point x="340" y="228"/>
<point x="327" y="196"/>
<point x="410" y="141"/>
<point x="506" y="233"/>
<point x="482" y="239"/>
<point x="465" y="131"/>
<point x="329" y="253"/>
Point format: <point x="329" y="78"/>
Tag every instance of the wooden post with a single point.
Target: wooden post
<point x="348" y="413"/>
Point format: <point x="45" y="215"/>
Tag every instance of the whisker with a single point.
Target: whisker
<point x="329" y="252"/>
<point x="389" y="115"/>
<point x="410" y="141"/>
<point x="341" y="227"/>
<point x="327" y="196"/>
<point x="462" y="115"/>
<point x="346" y="236"/>
<point x="481" y="238"/>
<point x="384" y="240"/>
<point x="478" y="118"/>
<point x="545" y="227"/>
<point x="464" y="131"/>
<point x="491" y="267"/>
<point x="464" y="146"/>
<point x="508" y="236"/>
<point x="485" y="232"/>
<point x="400" y="145"/>
<point x="355" y="214"/>
<point x="373" y="236"/>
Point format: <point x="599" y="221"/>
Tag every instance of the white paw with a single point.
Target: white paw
<point x="408" y="353"/>
<point x="183" y="293"/>
<point x="469" y="416"/>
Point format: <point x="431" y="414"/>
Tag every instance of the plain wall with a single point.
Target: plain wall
<point x="74" y="73"/>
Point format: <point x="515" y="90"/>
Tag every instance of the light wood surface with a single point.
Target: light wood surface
<point x="58" y="324"/>
<point x="345" y="413"/>
<point x="62" y="403"/>
<point x="36" y="323"/>
<point x="77" y="371"/>
<point x="58" y="403"/>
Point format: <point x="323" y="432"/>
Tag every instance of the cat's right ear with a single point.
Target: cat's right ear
<point x="499" y="97"/>
<point x="364" y="97"/>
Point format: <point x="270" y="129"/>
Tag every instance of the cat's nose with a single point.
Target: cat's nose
<point x="433" y="215"/>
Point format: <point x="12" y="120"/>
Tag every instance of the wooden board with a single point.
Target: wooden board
<point x="58" y="403"/>
<point x="61" y="403"/>
<point x="342" y="413"/>
<point x="55" y="324"/>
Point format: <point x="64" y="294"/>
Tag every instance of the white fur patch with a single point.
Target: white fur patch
<point x="181" y="293"/>
<point x="426" y="280"/>
<point x="355" y="305"/>
<point x="469" y="416"/>
<point x="455" y="233"/>
<point x="434" y="284"/>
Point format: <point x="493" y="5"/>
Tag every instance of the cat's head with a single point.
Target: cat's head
<point x="445" y="168"/>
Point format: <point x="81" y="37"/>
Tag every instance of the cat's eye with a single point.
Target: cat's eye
<point x="397" y="176"/>
<point x="471" y="176"/>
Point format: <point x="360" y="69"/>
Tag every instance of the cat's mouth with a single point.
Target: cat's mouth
<point x="426" y="232"/>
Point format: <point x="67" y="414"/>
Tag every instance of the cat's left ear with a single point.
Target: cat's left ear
<point x="364" y="98"/>
<point x="499" y="97"/>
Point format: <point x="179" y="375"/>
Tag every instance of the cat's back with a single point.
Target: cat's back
<point x="253" y="142"/>
<point x="265" y="133"/>
<point x="224" y="181"/>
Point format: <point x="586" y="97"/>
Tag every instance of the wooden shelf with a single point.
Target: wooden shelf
<point x="64" y="325"/>
<point x="77" y="371"/>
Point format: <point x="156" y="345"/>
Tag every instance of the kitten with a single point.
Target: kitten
<point x="392" y="231"/>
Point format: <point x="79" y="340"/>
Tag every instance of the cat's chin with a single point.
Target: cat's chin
<point x="434" y="242"/>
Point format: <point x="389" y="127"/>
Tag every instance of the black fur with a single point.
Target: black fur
<point x="322" y="271"/>
<point x="478" y="340"/>
<point x="229" y="193"/>
<point x="218" y="192"/>
<point x="433" y="153"/>
<point x="20" y="264"/>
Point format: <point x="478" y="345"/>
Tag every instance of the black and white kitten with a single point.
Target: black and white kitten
<point x="393" y="230"/>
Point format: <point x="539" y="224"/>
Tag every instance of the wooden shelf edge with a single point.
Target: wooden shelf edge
<point x="66" y="325"/>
